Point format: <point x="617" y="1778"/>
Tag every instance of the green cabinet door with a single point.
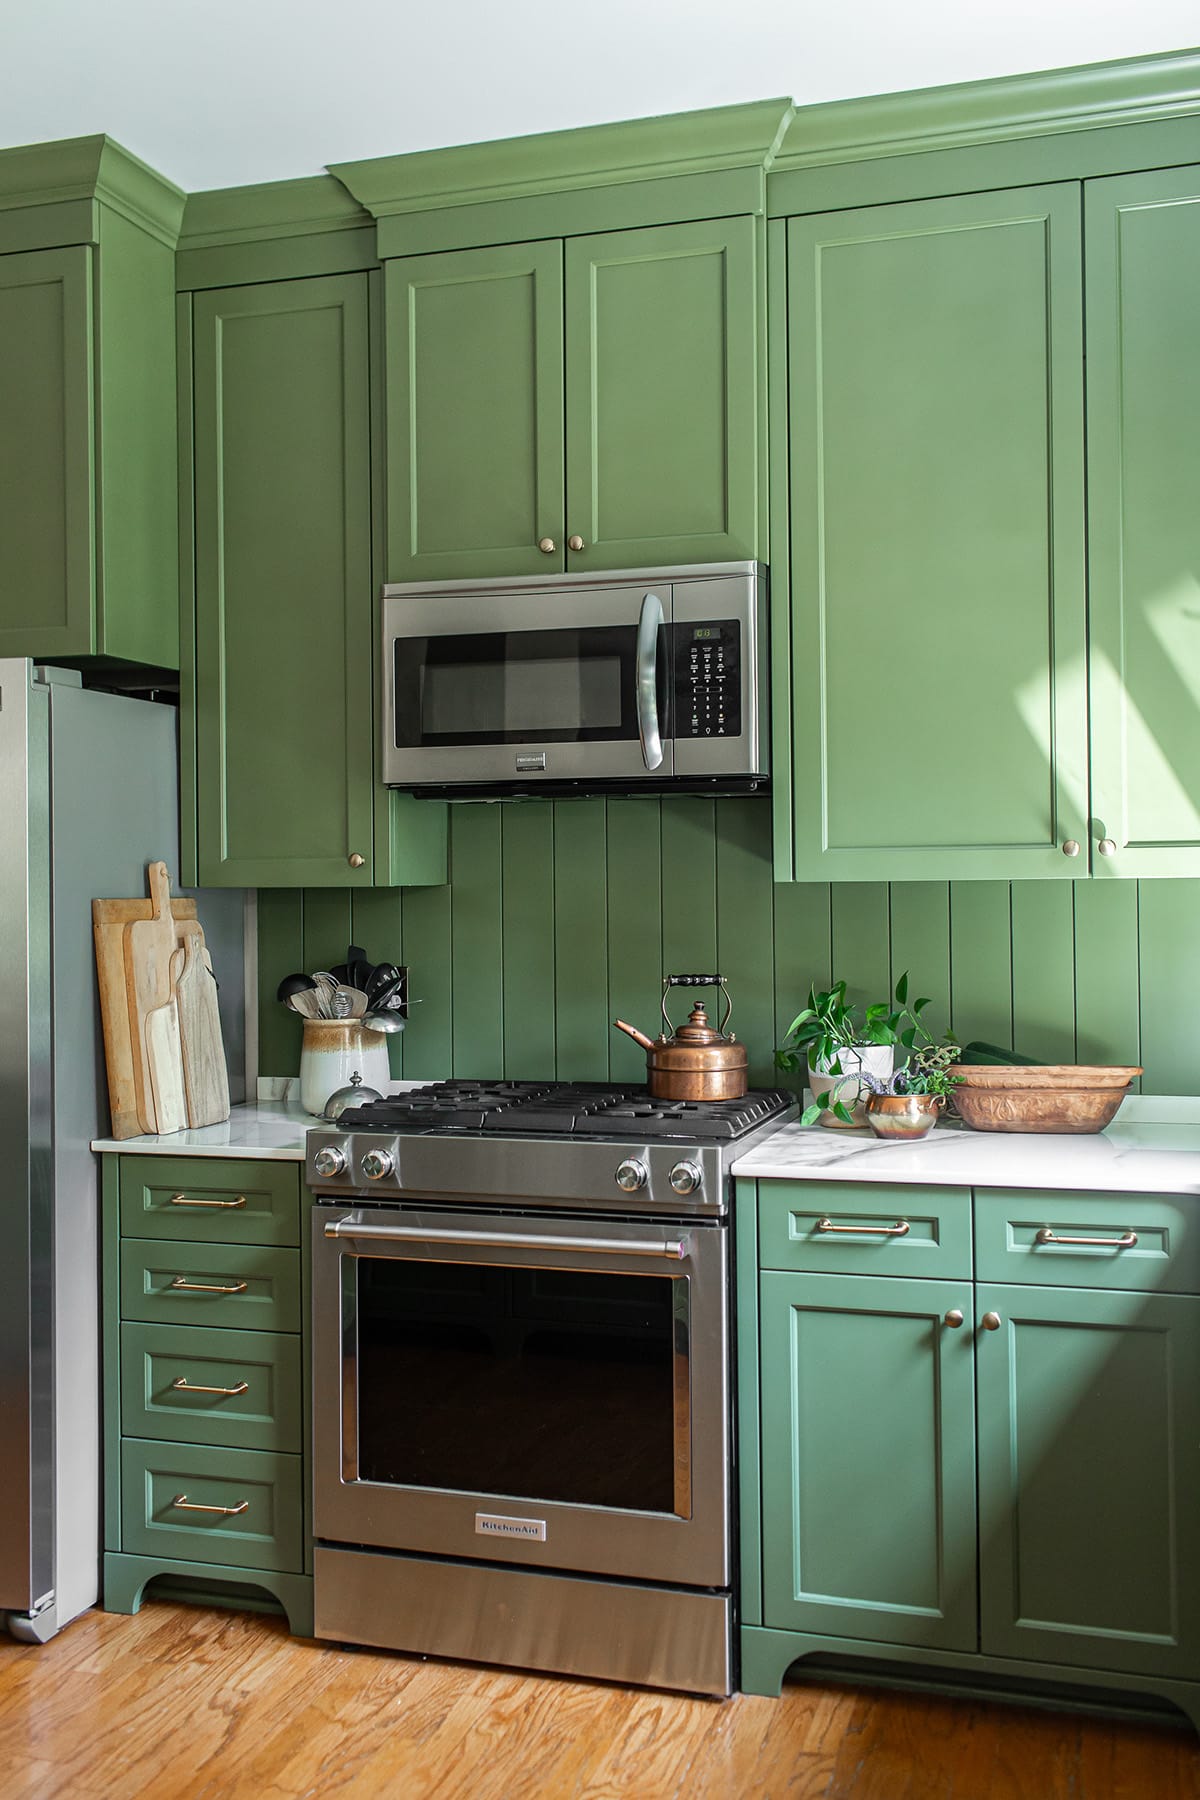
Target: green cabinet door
<point x="1143" y="393"/>
<point x="284" y="586"/>
<point x="474" y="413"/>
<point x="868" y="1470"/>
<point x="935" y="440"/>
<point x="47" y="573"/>
<point x="662" y="395"/>
<point x="1089" y="1466"/>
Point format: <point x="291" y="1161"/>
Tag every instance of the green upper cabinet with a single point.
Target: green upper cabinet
<point x="285" y="595"/>
<point x="585" y="403"/>
<point x="933" y="395"/>
<point x="88" y="475"/>
<point x="1143" y="390"/>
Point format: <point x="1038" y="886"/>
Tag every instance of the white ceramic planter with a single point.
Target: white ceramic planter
<point x="877" y="1059"/>
<point x="332" y="1051"/>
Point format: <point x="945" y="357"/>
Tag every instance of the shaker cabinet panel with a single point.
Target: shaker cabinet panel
<point x="868" y="1472"/>
<point x="1143" y="390"/>
<point x="474" y="412"/>
<point x="935" y="439"/>
<point x="46" y="453"/>
<point x="1089" y="1465"/>
<point x="284" y="587"/>
<point x="662" y="401"/>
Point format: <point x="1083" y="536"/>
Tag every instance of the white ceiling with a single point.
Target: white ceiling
<point x="215" y="93"/>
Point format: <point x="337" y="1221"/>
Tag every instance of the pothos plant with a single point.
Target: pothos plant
<point x="830" y="1024"/>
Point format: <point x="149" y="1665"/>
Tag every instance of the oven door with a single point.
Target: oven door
<point x="548" y="1391"/>
<point x="513" y="689"/>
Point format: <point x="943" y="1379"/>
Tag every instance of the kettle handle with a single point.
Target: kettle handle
<point x="674" y="981"/>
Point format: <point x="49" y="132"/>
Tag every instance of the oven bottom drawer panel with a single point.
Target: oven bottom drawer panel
<point x="603" y="1630"/>
<point x="241" y="1507"/>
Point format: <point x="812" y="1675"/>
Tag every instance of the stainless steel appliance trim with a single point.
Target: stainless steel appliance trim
<point x="575" y="581"/>
<point x="688" y="1545"/>
<point x="526" y="1619"/>
<point x="509" y="1525"/>
<point x="500" y="1240"/>
<point x="650" y="623"/>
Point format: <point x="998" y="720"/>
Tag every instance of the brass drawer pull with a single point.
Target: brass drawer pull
<point x="182" y="1200"/>
<point x="229" y="1512"/>
<point x="1125" y="1242"/>
<point x="193" y="1387"/>
<point x="209" y="1287"/>
<point x="866" y="1230"/>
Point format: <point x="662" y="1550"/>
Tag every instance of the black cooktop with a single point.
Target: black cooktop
<point x="564" y="1109"/>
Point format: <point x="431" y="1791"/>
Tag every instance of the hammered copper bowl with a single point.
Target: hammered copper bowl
<point x="1060" y="1097"/>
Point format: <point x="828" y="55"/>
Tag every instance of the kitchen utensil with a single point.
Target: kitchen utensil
<point x="353" y="1095"/>
<point x="389" y="1022"/>
<point x="205" y="1077"/>
<point x="698" y="1061"/>
<point x="122" y="1050"/>
<point x="348" y="1003"/>
<point x="332" y="1051"/>
<point x="294" y="984"/>
<point x="149" y="946"/>
<point x="1061" y="1097"/>
<point x="164" y="1058"/>
<point x="308" y="1003"/>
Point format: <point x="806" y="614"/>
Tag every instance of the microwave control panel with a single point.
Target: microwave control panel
<point x="708" y="679"/>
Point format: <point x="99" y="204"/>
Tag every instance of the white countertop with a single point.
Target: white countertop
<point x="1138" y="1154"/>
<point x="266" y="1129"/>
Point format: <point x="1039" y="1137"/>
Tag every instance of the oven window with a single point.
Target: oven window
<point x="539" y="1384"/>
<point x="567" y="686"/>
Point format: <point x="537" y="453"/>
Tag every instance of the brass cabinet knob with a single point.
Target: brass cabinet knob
<point x="1107" y="847"/>
<point x="575" y="542"/>
<point x="1071" y="847"/>
<point x="355" y="860"/>
<point x="953" y="1318"/>
<point x="990" y="1321"/>
<point x="547" y="546"/>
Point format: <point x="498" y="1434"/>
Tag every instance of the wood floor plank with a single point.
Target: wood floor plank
<point x="180" y="1703"/>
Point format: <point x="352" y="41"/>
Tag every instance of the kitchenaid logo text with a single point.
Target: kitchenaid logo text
<point x="496" y="1525"/>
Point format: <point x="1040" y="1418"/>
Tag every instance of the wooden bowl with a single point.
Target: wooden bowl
<point x="1062" y="1097"/>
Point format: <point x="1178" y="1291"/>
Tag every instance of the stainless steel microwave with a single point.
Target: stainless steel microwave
<point x="642" y="681"/>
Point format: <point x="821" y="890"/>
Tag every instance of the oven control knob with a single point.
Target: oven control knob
<point x="329" y="1161"/>
<point x="631" y="1176"/>
<point x="685" y="1178"/>
<point x="378" y="1163"/>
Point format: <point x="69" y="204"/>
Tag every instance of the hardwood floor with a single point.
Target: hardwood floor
<point x="182" y="1703"/>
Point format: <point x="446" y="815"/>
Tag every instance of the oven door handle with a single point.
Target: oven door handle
<point x="646" y="680"/>
<point x="674" y="1248"/>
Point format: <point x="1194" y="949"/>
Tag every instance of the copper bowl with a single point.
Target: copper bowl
<point x="1061" y="1097"/>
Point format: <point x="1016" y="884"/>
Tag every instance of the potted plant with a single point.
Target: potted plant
<point x="907" y="1104"/>
<point x="838" y="1048"/>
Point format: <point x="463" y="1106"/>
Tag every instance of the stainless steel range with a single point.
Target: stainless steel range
<point x="522" y="1402"/>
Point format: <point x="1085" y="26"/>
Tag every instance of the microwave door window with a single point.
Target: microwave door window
<point x="572" y="686"/>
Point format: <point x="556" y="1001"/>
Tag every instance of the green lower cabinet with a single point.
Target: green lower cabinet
<point x="868" y="1468"/>
<point x="241" y="1508"/>
<point x="1089" y="1478"/>
<point x="237" y="1388"/>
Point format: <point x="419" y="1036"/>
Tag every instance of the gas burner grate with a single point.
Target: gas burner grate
<point x="564" y="1109"/>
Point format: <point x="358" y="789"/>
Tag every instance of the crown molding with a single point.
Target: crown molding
<point x="91" y="168"/>
<point x="274" y="209"/>
<point x="693" y="143"/>
<point x="1134" y="91"/>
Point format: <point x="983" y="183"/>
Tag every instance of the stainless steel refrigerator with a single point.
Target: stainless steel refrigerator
<point x="88" y="795"/>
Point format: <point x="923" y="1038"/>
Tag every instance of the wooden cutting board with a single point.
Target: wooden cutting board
<point x="128" y="1076"/>
<point x="206" y="1079"/>
<point x="149" y="947"/>
<point x="164" y="1055"/>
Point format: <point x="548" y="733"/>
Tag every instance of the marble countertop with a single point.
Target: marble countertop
<point x="267" y="1128"/>
<point x="1138" y="1154"/>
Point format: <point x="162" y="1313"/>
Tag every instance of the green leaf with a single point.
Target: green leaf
<point x="918" y="1004"/>
<point x="908" y="1038"/>
<point x="842" y="1112"/>
<point x="810" y="1115"/>
<point x="878" y="1011"/>
<point x="902" y="988"/>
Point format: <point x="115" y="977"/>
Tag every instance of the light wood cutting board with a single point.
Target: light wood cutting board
<point x="164" y="1056"/>
<point x="149" y="947"/>
<point x="206" y="1079"/>
<point x="128" y="1076"/>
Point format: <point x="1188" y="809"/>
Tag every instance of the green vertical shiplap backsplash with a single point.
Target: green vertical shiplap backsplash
<point x="561" y="916"/>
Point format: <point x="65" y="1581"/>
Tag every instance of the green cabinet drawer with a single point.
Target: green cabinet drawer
<point x="198" y="1386"/>
<point x="862" y="1228"/>
<point x="247" y="1286"/>
<point x="209" y="1199"/>
<point x="1146" y="1242"/>
<point x="239" y="1507"/>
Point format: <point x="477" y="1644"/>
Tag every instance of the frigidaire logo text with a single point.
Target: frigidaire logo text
<point x="496" y="1525"/>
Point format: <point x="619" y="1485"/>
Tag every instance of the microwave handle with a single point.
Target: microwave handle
<point x="646" y="680"/>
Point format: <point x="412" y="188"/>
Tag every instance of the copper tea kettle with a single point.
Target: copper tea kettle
<point x="697" y="1062"/>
